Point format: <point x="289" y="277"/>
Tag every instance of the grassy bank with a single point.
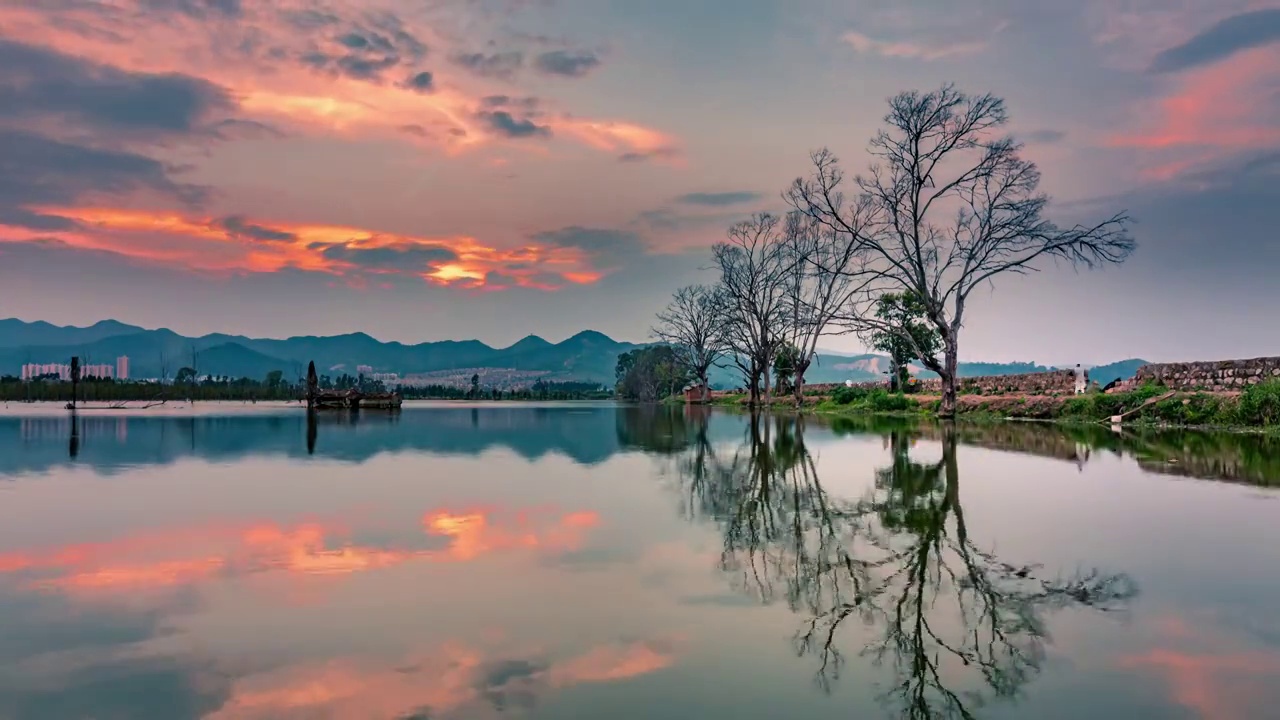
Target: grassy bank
<point x="1257" y="407"/>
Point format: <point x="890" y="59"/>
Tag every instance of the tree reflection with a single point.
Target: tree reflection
<point x="953" y="624"/>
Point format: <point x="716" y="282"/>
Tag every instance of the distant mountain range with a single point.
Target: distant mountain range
<point x="589" y="356"/>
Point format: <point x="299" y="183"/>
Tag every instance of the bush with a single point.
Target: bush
<point x="847" y="395"/>
<point x="1260" y="404"/>
<point x="881" y="401"/>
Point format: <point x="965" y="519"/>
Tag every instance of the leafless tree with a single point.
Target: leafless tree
<point x="824" y="270"/>
<point x="947" y="206"/>
<point x="753" y="284"/>
<point x="693" y="323"/>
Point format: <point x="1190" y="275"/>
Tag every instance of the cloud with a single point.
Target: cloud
<point x="308" y="19"/>
<point x="394" y="259"/>
<point x="1045" y="136"/>
<point x="322" y="71"/>
<point x="664" y="153"/>
<point x="497" y="65"/>
<point x="906" y="49"/>
<point x="719" y="199"/>
<point x="69" y="173"/>
<point x="608" y="247"/>
<point x="197" y="8"/>
<point x="421" y="82"/>
<point x="526" y="104"/>
<point x="1225" y="38"/>
<point x="1227" y="104"/>
<point x="240" y="245"/>
<point x="236" y="225"/>
<point x="567" y="63"/>
<point x="504" y="123"/>
<point x="36" y="84"/>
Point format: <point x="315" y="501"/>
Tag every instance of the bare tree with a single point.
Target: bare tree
<point x="824" y="270"/>
<point x="693" y="324"/>
<point x="948" y="205"/>
<point x="753" y="283"/>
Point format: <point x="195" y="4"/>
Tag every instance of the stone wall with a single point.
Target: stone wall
<point x="1218" y="376"/>
<point x="1054" y="382"/>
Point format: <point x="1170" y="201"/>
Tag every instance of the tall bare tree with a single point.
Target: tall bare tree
<point x="753" y="285"/>
<point x="693" y="323"/>
<point x="947" y="206"/>
<point x="824" y="270"/>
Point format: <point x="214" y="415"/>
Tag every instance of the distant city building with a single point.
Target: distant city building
<point x="35" y="370"/>
<point x="364" y="369"/>
<point x="63" y="370"/>
<point x="386" y="378"/>
<point x="101" y="372"/>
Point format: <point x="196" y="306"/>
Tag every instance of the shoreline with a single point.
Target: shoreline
<point x="1181" y="411"/>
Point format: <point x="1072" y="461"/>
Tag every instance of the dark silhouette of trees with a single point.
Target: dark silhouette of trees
<point x="948" y="205"/>
<point x="820" y="280"/>
<point x="753" y="286"/>
<point x="693" y="325"/>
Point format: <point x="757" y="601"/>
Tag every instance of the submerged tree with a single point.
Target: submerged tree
<point x="948" y="205"/>
<point x="693" y="323"/>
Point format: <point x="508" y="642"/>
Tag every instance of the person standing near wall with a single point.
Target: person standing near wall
<point x="1082" y="379"/>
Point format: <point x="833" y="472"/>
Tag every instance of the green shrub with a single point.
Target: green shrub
<point x="881" y="401"/>
<point x="847" y="395"/>
<point x="1260" y="404"/>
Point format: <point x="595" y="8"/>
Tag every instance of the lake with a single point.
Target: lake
<point x="599" y="561"/>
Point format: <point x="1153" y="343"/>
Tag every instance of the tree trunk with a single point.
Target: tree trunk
<point x="799" y="384"/>
<point x="706" y="387"/>
<point x="948" y="375"/>
<point x="753" y="397"/>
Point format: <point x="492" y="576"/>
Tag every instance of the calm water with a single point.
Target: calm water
<point x="590" y="561"/>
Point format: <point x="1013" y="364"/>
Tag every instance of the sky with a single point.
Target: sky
<point x="451" y="169"/>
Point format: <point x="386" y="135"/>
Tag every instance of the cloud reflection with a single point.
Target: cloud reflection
<point x="450" y="681"/>
<point x="168" y="559"/>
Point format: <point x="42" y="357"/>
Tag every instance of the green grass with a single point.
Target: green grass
<point x="1258" y="407"/>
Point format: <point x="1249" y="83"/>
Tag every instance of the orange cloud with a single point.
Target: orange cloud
<point x="242" y="245"/>
<point x="290" y="75"/>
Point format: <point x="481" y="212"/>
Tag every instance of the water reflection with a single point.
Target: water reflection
<point x="480" y="562"/>
<point x="953" y="623"/>
<point x="588" y="434"/>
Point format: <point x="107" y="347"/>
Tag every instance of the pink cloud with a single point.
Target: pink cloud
<point x="326" y="80"/>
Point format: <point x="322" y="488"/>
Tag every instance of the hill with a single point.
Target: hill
<point x="16" y="333"/>
<point x="588" y="356"/>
